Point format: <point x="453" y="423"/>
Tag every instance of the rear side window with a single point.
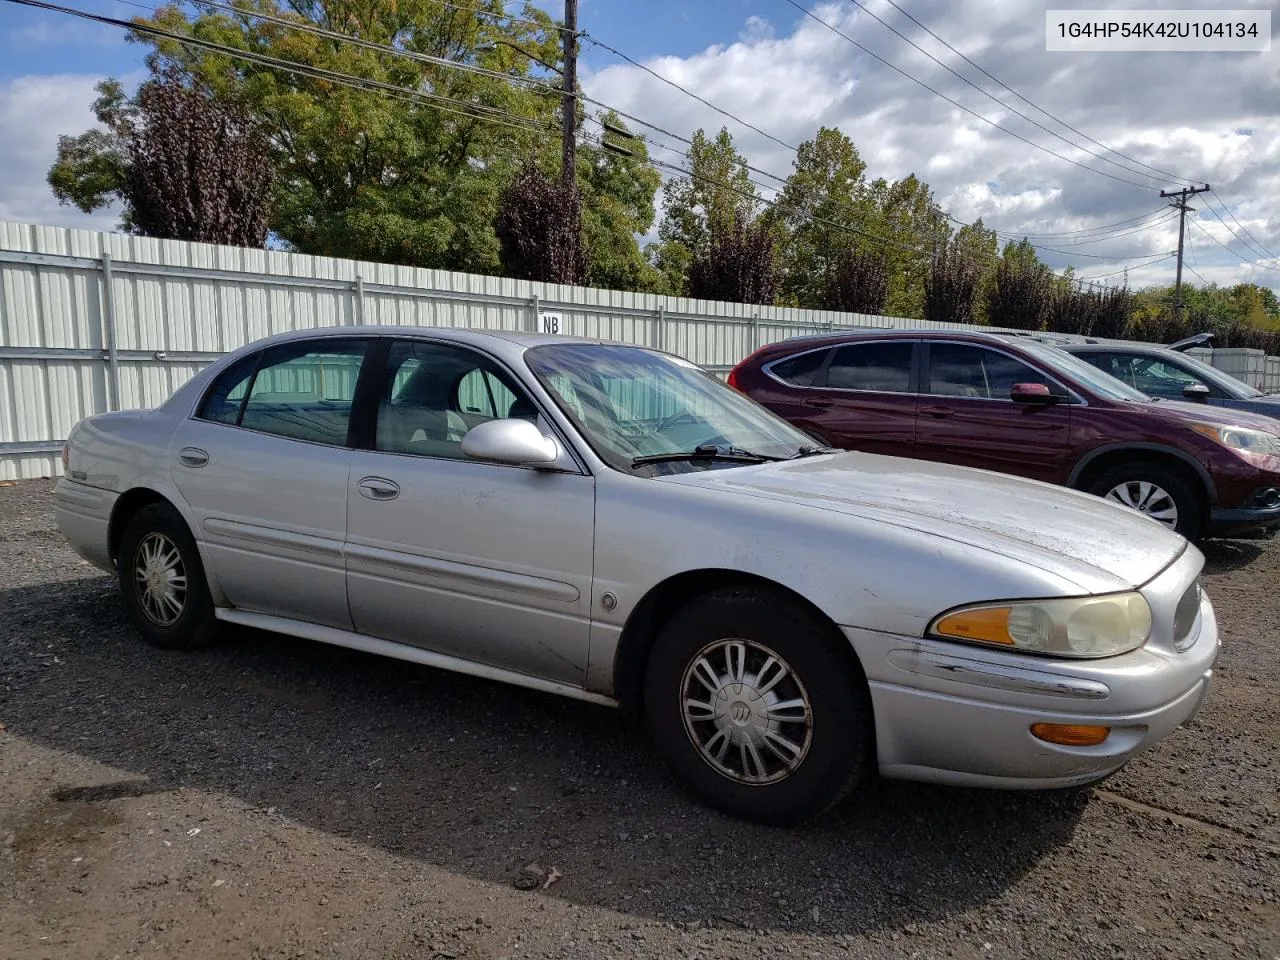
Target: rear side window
<point x="885" y="367"/>
<point x="802" y="370"/>
<point x="299" y="391"/>
<point x="225" y="398"/>
<point x="964" y="370"/>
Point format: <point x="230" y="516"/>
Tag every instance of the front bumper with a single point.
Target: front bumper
<point x="1224" y="522"/>
<point x="962" y="715"/>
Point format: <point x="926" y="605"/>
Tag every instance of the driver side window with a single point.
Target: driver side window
<point x="437" y="392"/>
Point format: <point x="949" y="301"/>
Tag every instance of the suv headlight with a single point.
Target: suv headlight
<point x="1070" y="627"/>
<point x="1241" y="438"/>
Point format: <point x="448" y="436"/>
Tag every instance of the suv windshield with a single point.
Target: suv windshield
<point x="629" y="403"/>
<point x="1086" y="374"/>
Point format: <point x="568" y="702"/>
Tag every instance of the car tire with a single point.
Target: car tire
<point x="162" y="581"/>
<point x="1145" y="483"/>
<point x="774" y="768"/>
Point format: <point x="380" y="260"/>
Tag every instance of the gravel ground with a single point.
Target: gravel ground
<point x="273" y="798"/>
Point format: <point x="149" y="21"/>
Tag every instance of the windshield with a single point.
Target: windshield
<point x="629" y="402"/>
<point x="1236" y="388"/>
<point x="1086" y="374"/>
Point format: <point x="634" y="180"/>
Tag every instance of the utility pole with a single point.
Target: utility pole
<point x="569" y="106"/>
<point x="1180" y="204"/>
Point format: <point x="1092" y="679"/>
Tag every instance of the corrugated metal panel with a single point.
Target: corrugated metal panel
<point x="179" y="298"/>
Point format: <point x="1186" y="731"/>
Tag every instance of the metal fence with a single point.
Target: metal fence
<point x="92" y="321"/>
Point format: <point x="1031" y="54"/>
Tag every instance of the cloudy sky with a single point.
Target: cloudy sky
<point x="1204" y="117"/>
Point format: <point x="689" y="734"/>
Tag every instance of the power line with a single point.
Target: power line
<point x="1256" y="246"/>
<point x="1252" y="263"/>
<point x="957" y="104"/>
<point x="490" y="114"/>
<point x="1150" y="261"/>
<point x="1058" y="120"/>
<point x="688" y="92"/>
<point x="1157" y="212"/>
<point x="486" y="113"/>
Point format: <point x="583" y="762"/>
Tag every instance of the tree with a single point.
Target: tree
<point x="184" y="164"/>
<point x="618" y="192"/>
<point x="953" y="283"/>
<point x="714" y="200"/>
<point x="539" y="227"/>
<point x="410" y="177"/>
<point x="1021" y="292"/>
<point x="911" y="227"/>
<point x="818" y="212"/>
<point x="739" y="264"/>
<point x="859" y="283"/>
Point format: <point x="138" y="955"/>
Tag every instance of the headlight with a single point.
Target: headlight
<point x="1073" y="627"/>
<point x="1241" y="438"/>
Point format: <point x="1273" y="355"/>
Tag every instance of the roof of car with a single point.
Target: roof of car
<point x="460" y="334"/>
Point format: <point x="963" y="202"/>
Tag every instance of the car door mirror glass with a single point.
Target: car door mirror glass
<point x="1196" y="391"/>
<point x="1030" y="393"/>
<point x="511" y="441"/>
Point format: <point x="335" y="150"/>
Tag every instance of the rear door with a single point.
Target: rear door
<point x="263" y="467"/>
<point x="863" y="397"/>
<point x="966" y="416"/>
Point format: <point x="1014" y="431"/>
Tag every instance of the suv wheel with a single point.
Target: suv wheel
<point x="1162" y="493"/>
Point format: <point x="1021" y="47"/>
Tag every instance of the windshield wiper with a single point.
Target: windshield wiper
<point x="811" y="451"/>
<point x="704" y="452"/>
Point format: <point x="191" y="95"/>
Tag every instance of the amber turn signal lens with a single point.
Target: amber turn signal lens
<point x="1071" y="734"/>
<point x="989" y="624"/>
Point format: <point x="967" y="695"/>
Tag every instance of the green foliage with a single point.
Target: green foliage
<point x="716" y="199"/>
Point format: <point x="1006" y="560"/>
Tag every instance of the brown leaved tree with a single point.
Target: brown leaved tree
<point x="197" y="168"/>
<point x="740" y="264"/>
<point x="1022" y="290"/>
<point x="858" y="283"/>
<point x="952" y="285"/>
<point x="539" y="228"/>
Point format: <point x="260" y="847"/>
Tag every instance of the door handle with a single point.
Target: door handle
<point x="819" y="402"/>
<point x="376" y="488"/>
<point x="938" y="413"/>
<point x="193" y="456"/>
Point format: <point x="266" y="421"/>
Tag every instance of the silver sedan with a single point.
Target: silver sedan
<point x="613" y="523"/>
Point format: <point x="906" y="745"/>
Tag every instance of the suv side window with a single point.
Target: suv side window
<point x="1159" y="378"/>
<point x="884" y="367"/>
<point x="436" y="392"/>
<point x="801" y="370"/>
<point x="301" y="391"/>
<point x="967" y="370"/>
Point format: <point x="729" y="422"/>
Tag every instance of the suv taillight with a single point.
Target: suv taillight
<point x="733" y="379"/>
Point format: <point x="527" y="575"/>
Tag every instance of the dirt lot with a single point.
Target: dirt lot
<point x="274" y="798"/>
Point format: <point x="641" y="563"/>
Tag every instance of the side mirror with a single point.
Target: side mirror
<point x="516" y="442"/>
<point x="1031" y="393"/>
<point x="1196" y="391"/>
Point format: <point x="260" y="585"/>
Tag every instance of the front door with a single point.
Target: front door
<point x="866" y="400"/>
<point x="966" y="415"/>
<point x="482" y="561"/>
<point x="263" y="467"/>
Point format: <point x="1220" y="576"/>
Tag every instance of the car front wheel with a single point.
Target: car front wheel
<point x="1160" y="492"/>
<point x="162" y="580"/>
<point x="759" y="706"/>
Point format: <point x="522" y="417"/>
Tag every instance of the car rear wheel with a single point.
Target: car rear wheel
<point x="1162" y="493"/>
<point x="162" y="581"/>
<point x="758" y="706"/>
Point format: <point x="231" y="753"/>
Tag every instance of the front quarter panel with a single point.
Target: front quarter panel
<point x="860" y="573"/>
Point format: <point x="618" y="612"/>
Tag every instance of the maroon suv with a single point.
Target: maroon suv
<point x="1026" y="408"/>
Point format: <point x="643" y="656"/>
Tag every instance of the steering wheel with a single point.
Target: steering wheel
<point x="675" y="418"/>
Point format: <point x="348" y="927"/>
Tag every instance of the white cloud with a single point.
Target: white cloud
<point x="34" y="112"/>
<point x="1208" y="116"/>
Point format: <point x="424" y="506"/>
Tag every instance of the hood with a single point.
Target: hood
<point x="1098" y="545"/>
<point x="1222" y="416"/>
